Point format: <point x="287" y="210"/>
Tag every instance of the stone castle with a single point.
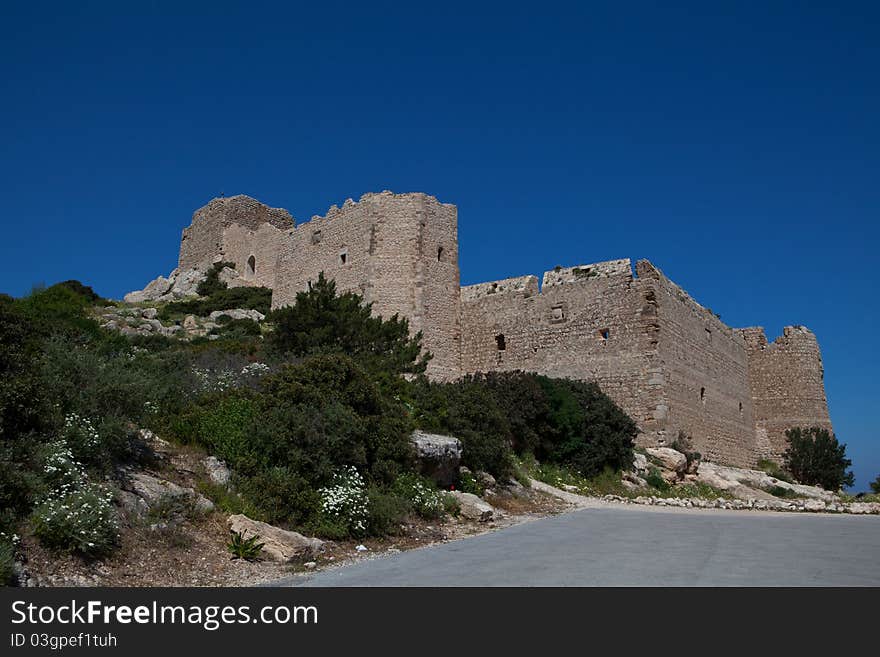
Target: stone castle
<point x="665" y="359"/>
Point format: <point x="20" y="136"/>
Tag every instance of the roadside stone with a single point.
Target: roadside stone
<point x="473" y="508"/>
<point x="669" y="458"/>
<point x="279" y="544"/>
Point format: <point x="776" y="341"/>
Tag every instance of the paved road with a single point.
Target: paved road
<point x="626" y="546"/>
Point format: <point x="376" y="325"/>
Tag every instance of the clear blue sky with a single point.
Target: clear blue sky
<point x="736" y="145"/>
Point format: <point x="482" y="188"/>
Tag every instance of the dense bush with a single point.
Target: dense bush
<point x="815" y="457"/>
<point x="212" y="283"/>
<point x="287" y="438"/>
<point x="555" y="420"/>
<point x="322" y="322"/>
<point x="875" y="485"/>
<point x="467" y="410"/>
<point x="7" y="560"/>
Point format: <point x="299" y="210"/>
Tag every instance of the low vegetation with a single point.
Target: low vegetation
<point x="314" y="419"/>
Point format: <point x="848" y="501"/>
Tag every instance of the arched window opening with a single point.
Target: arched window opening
<point x="703" y="395"/>
<point x="439" y="253"/>
<point x="251" y="267"/>
<point x="500" y="342"/>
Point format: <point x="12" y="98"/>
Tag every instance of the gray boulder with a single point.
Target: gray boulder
<point x="439" y="456"/>
<point x="153" y="490"/>
<point x="278" y="544"/>
<point x="473" y="508"/>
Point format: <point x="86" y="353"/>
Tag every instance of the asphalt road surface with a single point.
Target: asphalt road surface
<point x="627" y="546"/>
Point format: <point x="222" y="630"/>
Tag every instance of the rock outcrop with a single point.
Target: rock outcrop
<point x="278" y="544"/>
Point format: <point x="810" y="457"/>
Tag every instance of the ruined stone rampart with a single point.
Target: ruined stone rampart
<point x="704" y="371"/>
<point x="787" y="385"/>
<point x="240" y="230"/>
<point x="665" y="359"/>
<point x="589" y="326"/>
<point x="400" y="251"/>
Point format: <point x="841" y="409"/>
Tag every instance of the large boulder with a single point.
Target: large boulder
<point x="439" y="456"/>
<point x="155" y="289"/>
<point x="153" y="490"/>
<point x="473" y="508"/>
<point x="669" y="459"/>
<point x="278" y="544"/>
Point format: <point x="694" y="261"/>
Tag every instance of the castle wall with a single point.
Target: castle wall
<point x="589" y="323"/>
<point x="787" y="385"/>
<point x="385" y="247"/>
<point x="234" y="229"/>
<point x="665" y="359"/>
<point x="705" y="374"/>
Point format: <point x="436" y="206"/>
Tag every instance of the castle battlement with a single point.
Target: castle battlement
<point x="667" y="360"/>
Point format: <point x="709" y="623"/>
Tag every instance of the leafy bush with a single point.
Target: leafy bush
<point x="345" y="503"/>
<point x="82" y="520"/>
<point x="656" y="480"/>
<point x="212" y="283"/>
<point x="467" y="410"/>
<point x="388" y="512"/>
<point x="248" y="549"/>
<point x="875" y="485"/>
<point x="422" y="495"/>
<point x="322" y="322"/>
<point x="7" y="562"/>
<point x="815" y="457"/>
<point x="556" y="420"/>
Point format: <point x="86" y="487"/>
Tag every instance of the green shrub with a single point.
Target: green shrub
<point x="422" y="495"/>
<point x="345" y="503"/>
<point x="226" y="500"/>
<point x="236" y="328"/>
<point x="779" y="491"/>
<point x="467" y="483"/>
<point x="388" y="511"/>
<point x="248" y="549"/>
<point x="815" y="457"/>
<point x="7" y="562"/>
<point x="280" y="496"/>
<point x="322" y="322"/>
<point x="656" y="480"/>
<point x="212" y="283"/>
<point x="556" y="420"/>
<point x="82" y="520"/>
<point x="467" y="410"/>
<point x="875" y="485"/>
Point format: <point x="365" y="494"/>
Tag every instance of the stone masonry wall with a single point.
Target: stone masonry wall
<point x="665" y="359"/>
<point x="589" y="323"/>
<point x="704" y="374"/>
<point x="787" y="385"/>
<point x="234" y="229"/>
<point x="400" y="251"/>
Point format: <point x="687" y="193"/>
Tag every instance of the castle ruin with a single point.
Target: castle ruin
<point x="666" y="360"/>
